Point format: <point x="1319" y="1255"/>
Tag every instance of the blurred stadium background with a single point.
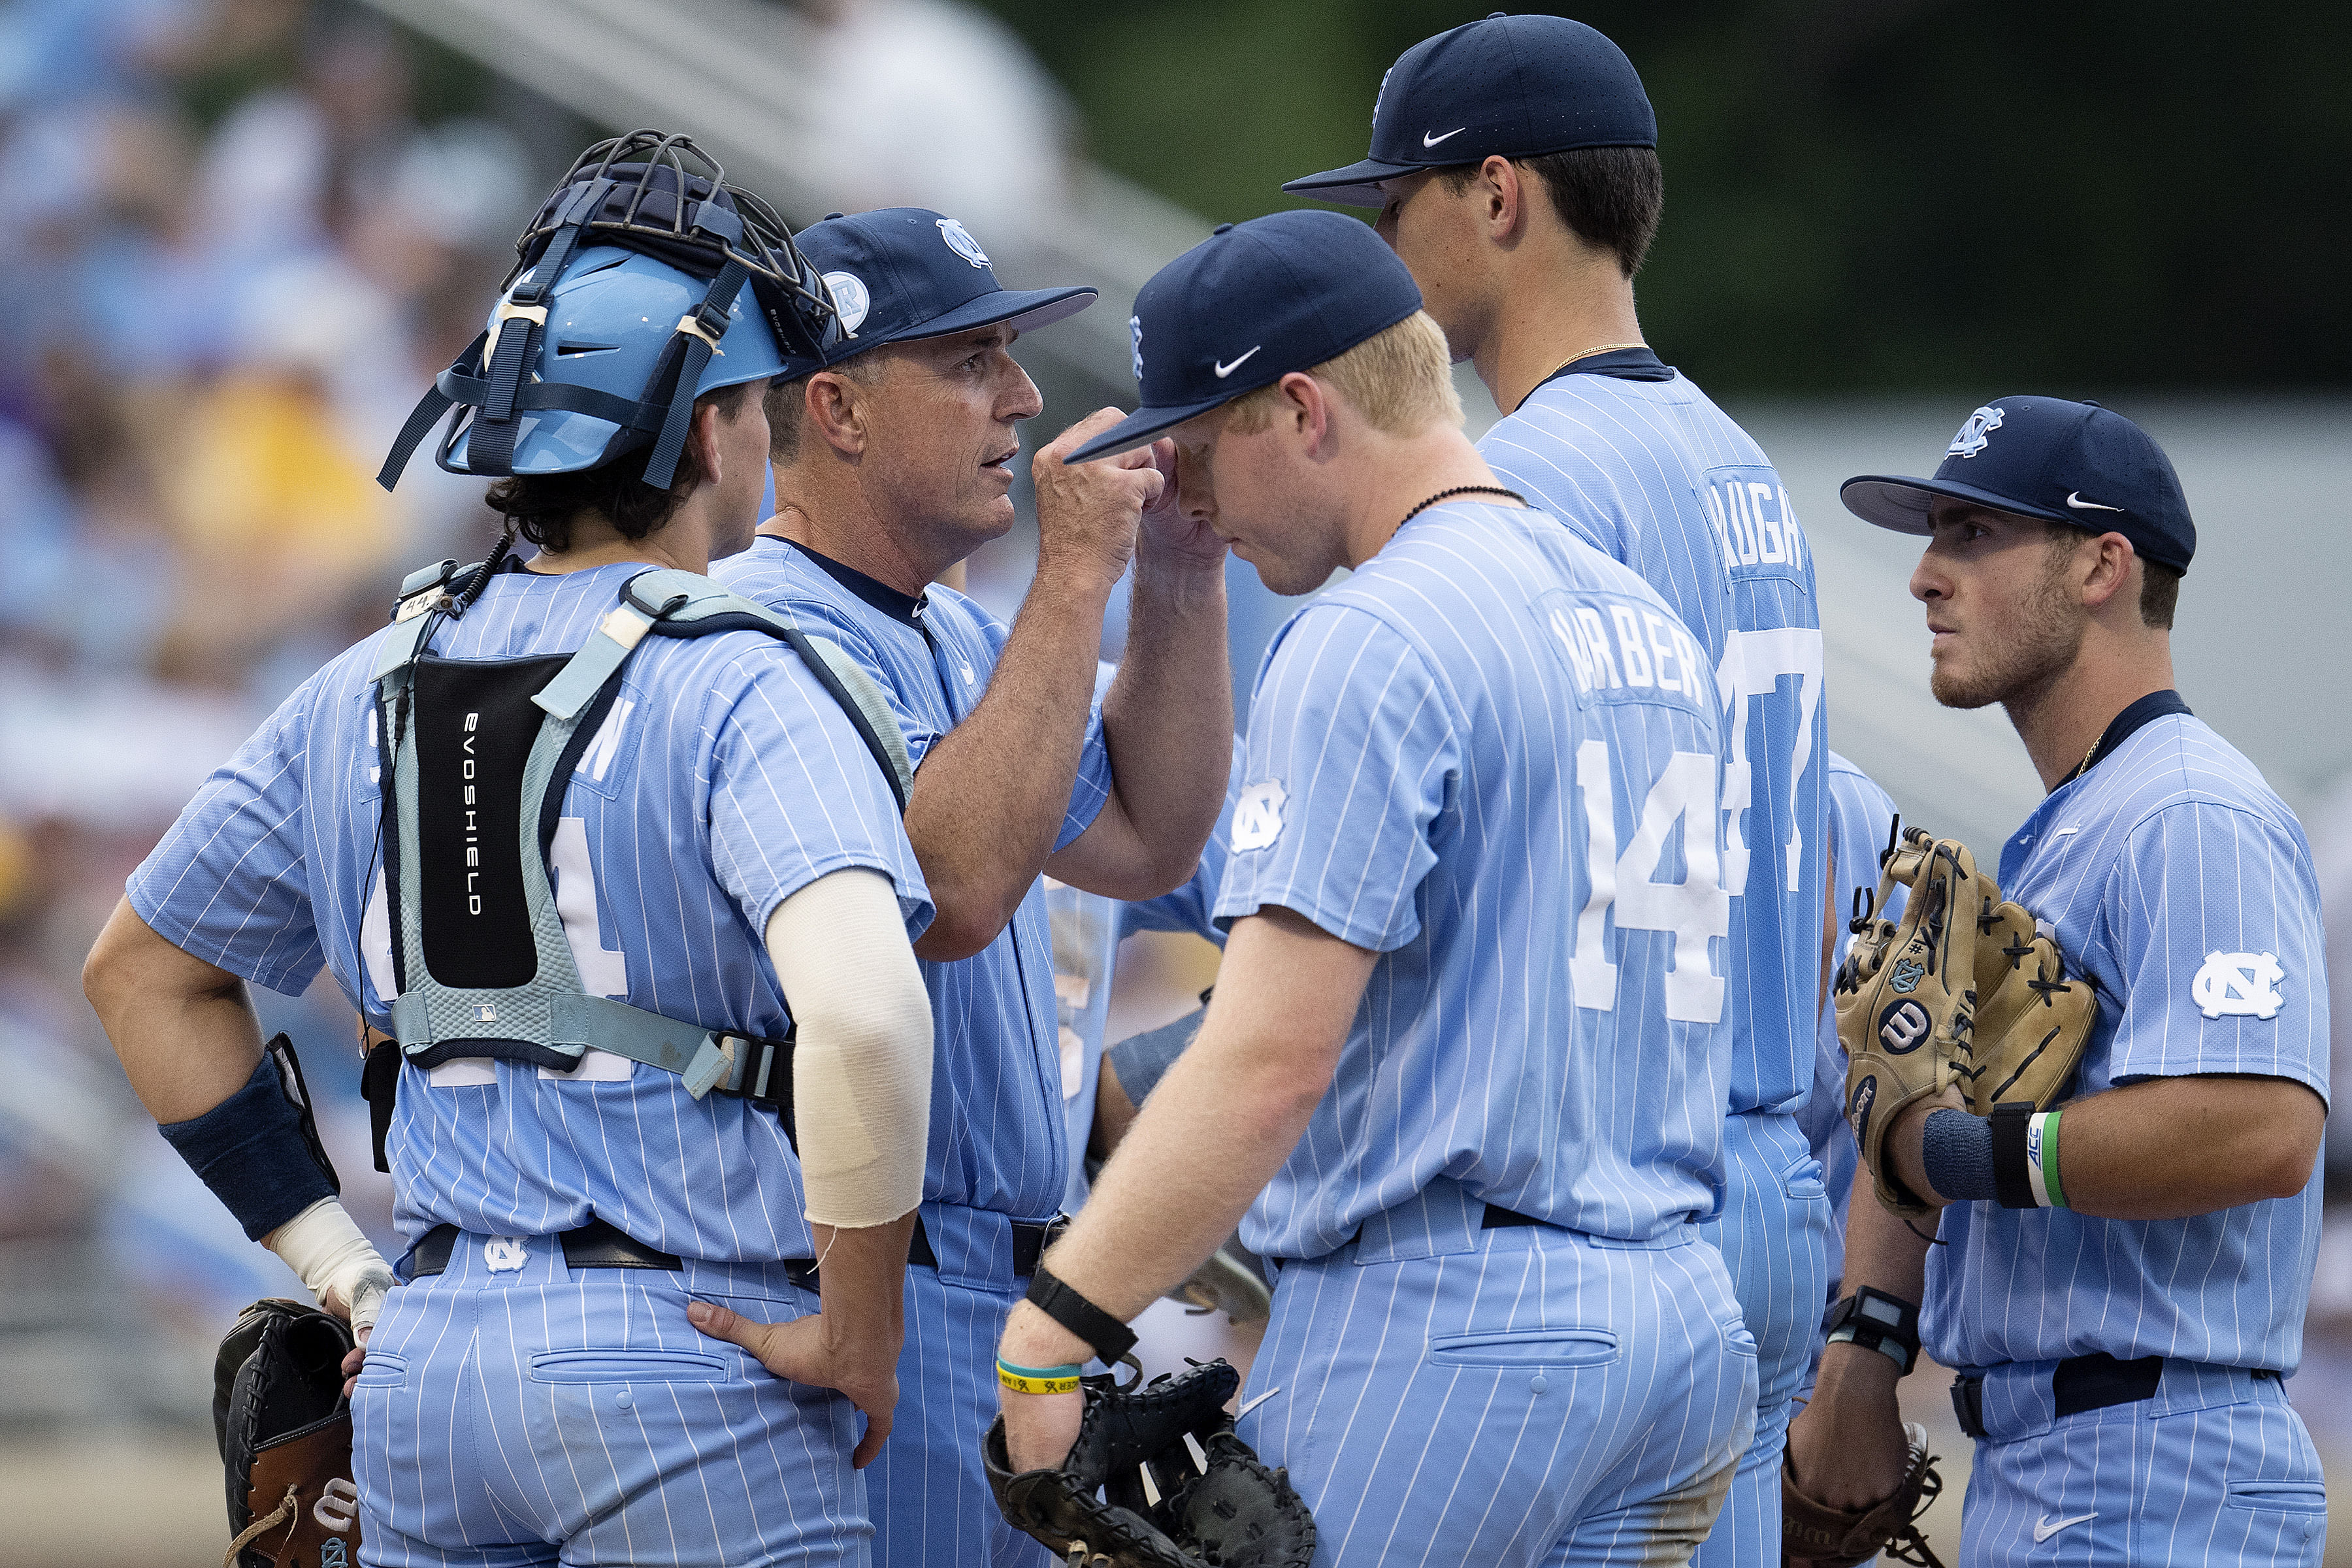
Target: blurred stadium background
<point x="237" y="236"/>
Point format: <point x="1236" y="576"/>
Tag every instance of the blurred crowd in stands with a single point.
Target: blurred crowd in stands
<point x="231" y="255"/>
<point x="238" y="237"/>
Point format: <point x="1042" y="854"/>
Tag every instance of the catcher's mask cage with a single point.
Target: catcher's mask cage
<point x="659" y="196"/>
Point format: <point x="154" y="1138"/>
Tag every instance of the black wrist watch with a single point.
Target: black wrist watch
<point x="1876" y="1321"/>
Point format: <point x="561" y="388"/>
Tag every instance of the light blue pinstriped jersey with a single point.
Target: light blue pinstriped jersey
<point x="724" y="780"/>
<point x="1860" y="814"/>
<point x="997" y="1123"/>
<point x="1654" y="475"/>
<point x="2184" y="887"/>
<point x="1490" y="756"/>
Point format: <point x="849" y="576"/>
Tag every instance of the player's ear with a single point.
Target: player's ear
<point x="1308" y="403"/>
<point x="2110" y="572"/>
<point x="702" y="444"/>
<point x="1501" y="195"/>
<point x="837" y="412"/>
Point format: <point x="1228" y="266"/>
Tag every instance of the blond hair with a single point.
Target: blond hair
<point x="1399" y="379"/>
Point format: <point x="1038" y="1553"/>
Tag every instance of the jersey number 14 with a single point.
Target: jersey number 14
<point x="1690" y="911"/>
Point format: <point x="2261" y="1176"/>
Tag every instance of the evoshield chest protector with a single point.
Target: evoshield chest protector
<point x="476" y="757"/>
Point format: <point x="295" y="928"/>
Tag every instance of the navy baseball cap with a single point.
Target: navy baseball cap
<point x="1247" y="306"/>
<point x="1514" y="87"/>
<point x="901" y="273"/>
<point x="2075" y="463"/>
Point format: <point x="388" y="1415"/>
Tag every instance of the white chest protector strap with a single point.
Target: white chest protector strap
<point x="476" y="757"/>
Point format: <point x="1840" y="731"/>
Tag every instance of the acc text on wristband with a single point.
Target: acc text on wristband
<point x="1110" y="1338"/>
<point x="2012" y="1163"/>
<point x="1876" y="1321"/>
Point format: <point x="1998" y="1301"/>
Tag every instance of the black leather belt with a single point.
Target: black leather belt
<point x="595" y="1244"/>
<point x="1029" y="1244"/>
<point x="2081" y="1382"/>
<point x="1497" y="1217"/>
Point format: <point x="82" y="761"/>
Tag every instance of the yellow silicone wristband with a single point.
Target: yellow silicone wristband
<point x="1022" y="1383"/>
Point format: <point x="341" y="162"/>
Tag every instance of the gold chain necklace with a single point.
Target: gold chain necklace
<point x="1581" y="353"/>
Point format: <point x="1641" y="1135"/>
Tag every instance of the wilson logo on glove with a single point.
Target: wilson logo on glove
<point x="1903" y="1026"/>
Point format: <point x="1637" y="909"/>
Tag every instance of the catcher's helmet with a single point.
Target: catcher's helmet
<point x="609" y="320"/>
<point x="637" y="266"/>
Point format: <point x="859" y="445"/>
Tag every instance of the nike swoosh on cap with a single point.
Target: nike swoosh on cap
<point x="2075" y="499"/>
<point x="2045" y="1527"/>
<point x="1225" y="370"/>
<point x="1429" y="140"/>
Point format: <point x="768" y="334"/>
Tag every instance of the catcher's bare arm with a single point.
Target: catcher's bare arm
<point x="1212" y="1135"/>
<point x="2165" y="1147"/>
<point x="190" y="1042"/>
<point x="184" y="1028"/>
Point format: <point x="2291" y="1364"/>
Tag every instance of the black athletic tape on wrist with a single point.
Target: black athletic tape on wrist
<point x="251" y="1150"/>
<point x="2011" y="1170"/>
<point x="1879" y="1321"/>
<point x="1110" y="1338"/>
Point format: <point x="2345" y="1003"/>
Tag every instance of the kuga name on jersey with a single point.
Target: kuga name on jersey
<point x="1755" y="526"/>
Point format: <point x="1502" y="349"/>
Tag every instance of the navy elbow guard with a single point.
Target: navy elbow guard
<point x="258" y="1150"/>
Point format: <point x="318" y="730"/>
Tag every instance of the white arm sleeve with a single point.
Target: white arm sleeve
<point x="862" y="1067"/>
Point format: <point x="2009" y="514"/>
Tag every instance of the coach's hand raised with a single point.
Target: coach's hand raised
<point x="1088" y="513"/>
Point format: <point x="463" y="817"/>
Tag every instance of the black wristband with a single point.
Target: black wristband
<point x="1110" y="1338"/>
<point x="1876" y="1321"/>
<point x="257" y="1149"/>
<point x="2011" y="1174"/>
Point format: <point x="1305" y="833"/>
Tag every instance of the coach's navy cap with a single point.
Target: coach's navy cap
<point x="1510" y="86"/>
<point x="900" y="273"/>
<point x="2075" y="463"/>
<point x="1247" y="306"/>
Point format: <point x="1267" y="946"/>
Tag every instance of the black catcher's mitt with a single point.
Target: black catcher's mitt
<point x="1817" y="1534"/>
<point x="285" y="1432"/>
<point x="1177" y="1488"/>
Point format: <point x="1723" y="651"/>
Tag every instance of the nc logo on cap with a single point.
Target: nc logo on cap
<point x="1975" y="436"/>
<point x="849" y="297"/>
<point x="960" y="241"/>
<point x="1135" y="331"/>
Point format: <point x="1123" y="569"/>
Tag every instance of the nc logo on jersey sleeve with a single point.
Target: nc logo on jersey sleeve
<point x="1975" y="435"/>
<point x="1258" y="815"/>
<point x="2238" y="984"/>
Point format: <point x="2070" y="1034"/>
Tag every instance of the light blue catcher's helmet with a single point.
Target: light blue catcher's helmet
<point x="609" y="319"/>
<point x="644" y="281"/>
